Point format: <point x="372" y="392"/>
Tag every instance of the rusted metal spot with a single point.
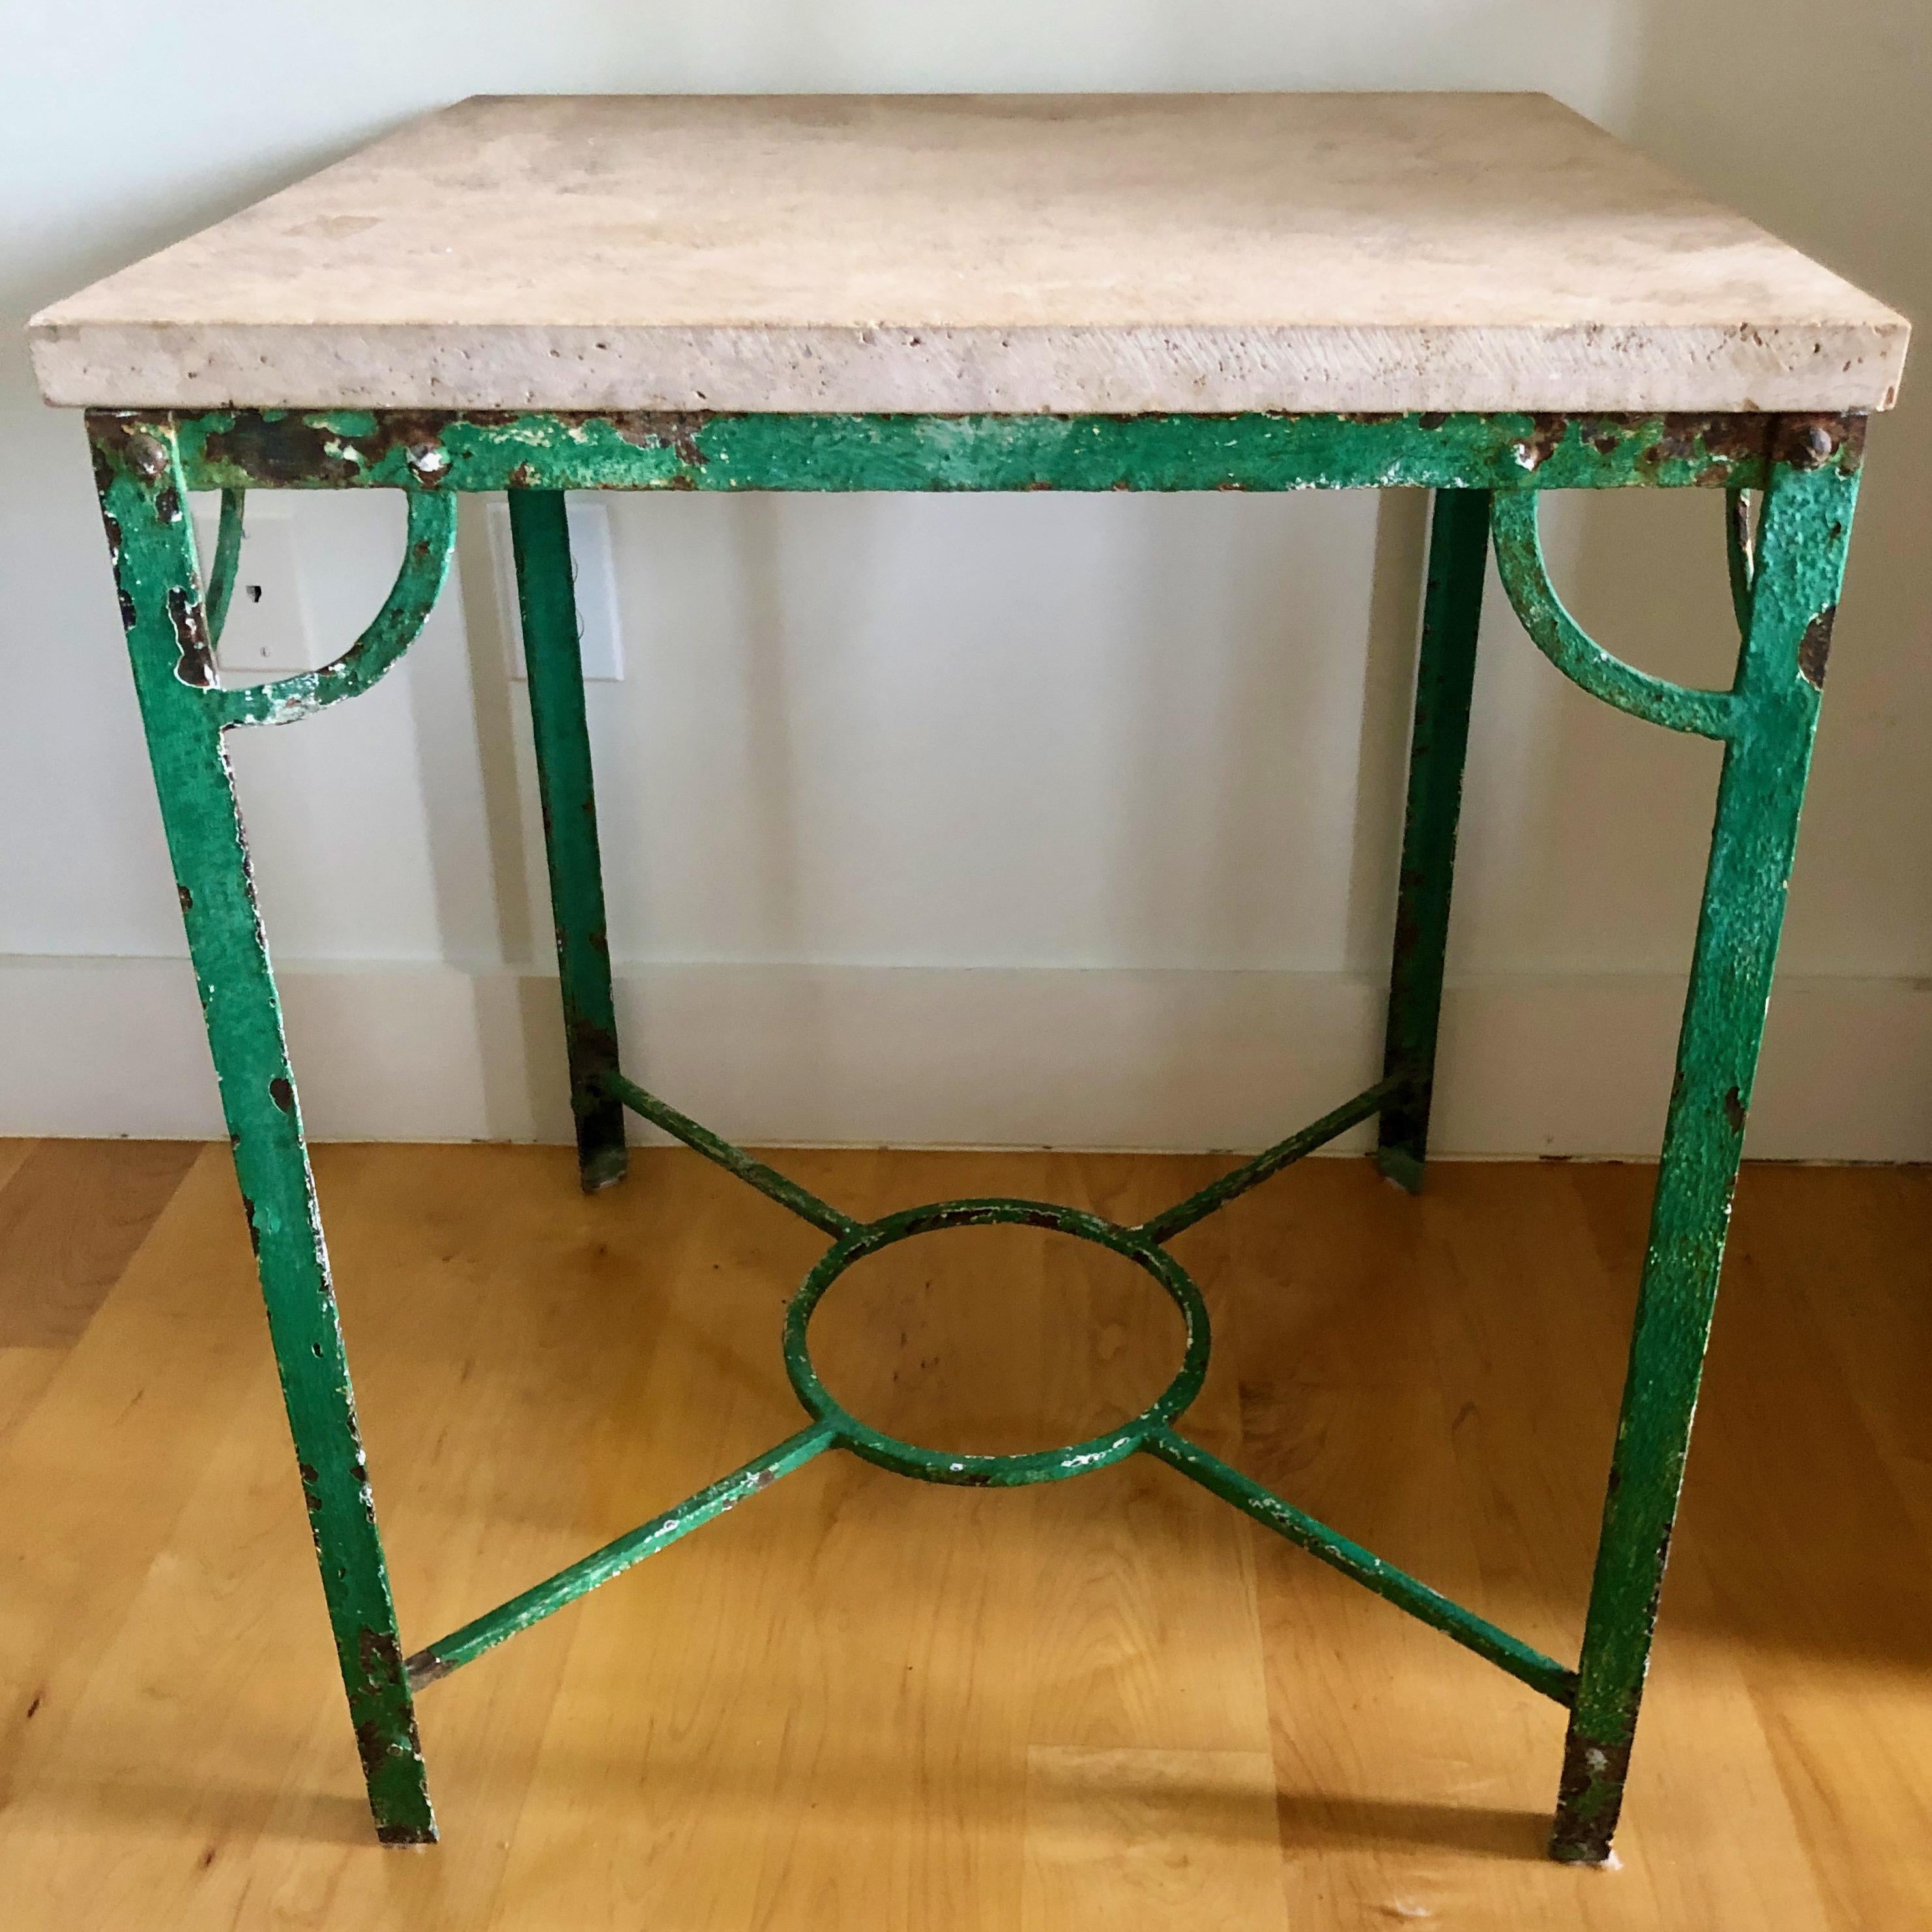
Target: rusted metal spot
<point x="167" y="504"/>
<point x="248" y="1215"/>
<point x="1731" y="439"/>
<point x="1814" y="648"/>
<point x="1717" y="443"/>
<point x="372" y="1748"/>
<point x="247" y="871"/>
<point x="287" y="449"/>
<point x="196" y="666"/>
<point x="1734" y="1109"/>
<point x="147" y="455"/>
<point x="311" y="1489"/>
<point x="186" y="897"/>
<point x="589" y="1042"/>
<point x="380" y="1656"/>
<point x="282" y="1094"/>
<point x="1657" y="1586"/>
<point x="1544" y="438"/>
<point x="1809" y="440"/>
<point x="294" y="449"/>
<point x="1588" y="1800"/>
<point x="674" y="430"/>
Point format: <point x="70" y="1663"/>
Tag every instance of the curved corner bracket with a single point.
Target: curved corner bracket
<point x="1740" y="553"/>
<point x="428" y="546"/>
<point x="1519" y="563"/>
<point x="227" y="559"/>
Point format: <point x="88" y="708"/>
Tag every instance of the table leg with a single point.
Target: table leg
<point x="1452" y="610"/>
<point x="540" y="535"/>
<point x="1806" y="520"/>
<point x="151" y="537"/>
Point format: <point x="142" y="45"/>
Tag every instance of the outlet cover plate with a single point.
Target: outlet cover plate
<point x="267" y="628"/>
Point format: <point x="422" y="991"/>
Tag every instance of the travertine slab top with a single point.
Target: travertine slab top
<point x="1114" y="253"/>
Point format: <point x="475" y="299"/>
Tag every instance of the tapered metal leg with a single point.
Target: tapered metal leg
<point x="1452" y="611"/>
<point x="1807" y="519"/>
<point x="548" y="602"/>
<point x="149" y="532"/>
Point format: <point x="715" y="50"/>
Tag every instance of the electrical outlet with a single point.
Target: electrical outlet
<point x="267" y="627"/>
<point x="593" y="572"/>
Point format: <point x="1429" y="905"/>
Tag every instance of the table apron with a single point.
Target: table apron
<point x="232" y="449"/>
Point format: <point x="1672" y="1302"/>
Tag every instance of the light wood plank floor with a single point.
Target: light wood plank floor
<point x="860" y="1703"/>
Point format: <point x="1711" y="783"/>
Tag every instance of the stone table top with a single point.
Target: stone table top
<point x="1109" y="253"/>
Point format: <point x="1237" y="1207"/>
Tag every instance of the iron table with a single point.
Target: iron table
<point x="1483" y="295"/>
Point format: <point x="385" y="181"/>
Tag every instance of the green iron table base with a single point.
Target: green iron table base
<point x="1791" y="482"/>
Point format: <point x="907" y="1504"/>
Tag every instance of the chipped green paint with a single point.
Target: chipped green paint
<point x="1806" y="520"/>
<point x="151" y="539"/>
<point x="1490" y="470"/>
<point x="1740" y="550"/>
<point x="347" y="448"/>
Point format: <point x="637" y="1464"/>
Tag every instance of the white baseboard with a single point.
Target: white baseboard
<point x="1531" y="1064"/>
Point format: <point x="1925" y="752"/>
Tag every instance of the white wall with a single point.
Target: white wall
<point x="1012" y="819"/>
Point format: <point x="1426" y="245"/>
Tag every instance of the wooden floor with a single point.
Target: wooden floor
<point x="859" y="1702"/>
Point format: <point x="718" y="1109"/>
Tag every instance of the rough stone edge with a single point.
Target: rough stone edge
<point x="1100" y="369"/>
